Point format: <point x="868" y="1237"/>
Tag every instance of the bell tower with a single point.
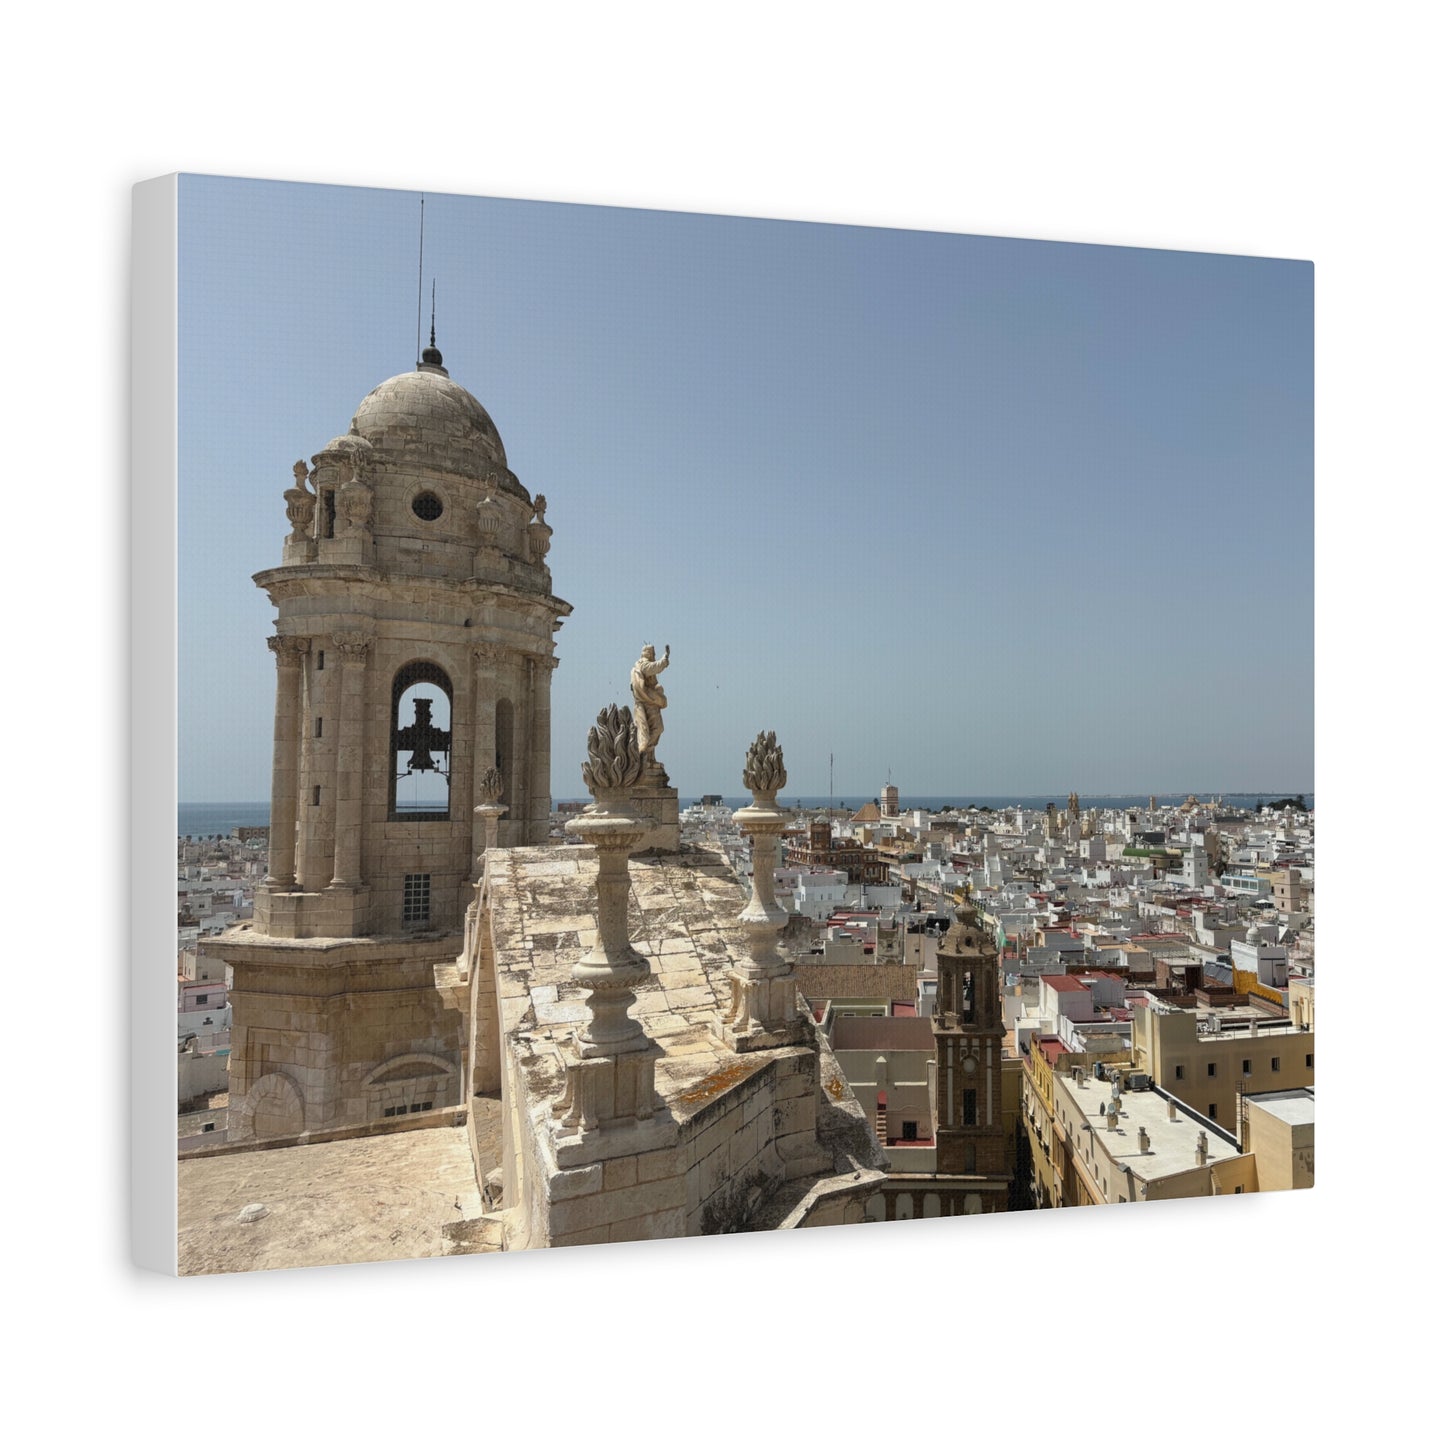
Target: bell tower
<point x="414" y="652"/>
<point x="968" y="1036"/>
<point x="414" y="658"/>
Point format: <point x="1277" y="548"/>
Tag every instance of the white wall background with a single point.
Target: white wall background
<point x="1282" y="129"/>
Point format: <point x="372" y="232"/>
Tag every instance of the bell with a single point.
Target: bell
<point x="421" y="761"/>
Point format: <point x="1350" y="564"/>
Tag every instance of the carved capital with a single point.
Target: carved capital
<point x="353" y="646"/>
<point x="289" y="650"/>
<point x="492" y="654"/>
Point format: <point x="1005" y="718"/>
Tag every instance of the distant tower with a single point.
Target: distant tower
<point x="1074" y="805"/>
<point x="1196" y="868"/>
<point x="414" y="654"/>
<point x="968" y="1036"/>
<point x="888" y="805"/>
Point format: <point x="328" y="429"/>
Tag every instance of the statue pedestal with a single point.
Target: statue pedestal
<point x="654" y="802"/>
<point x="608" y="1106"/>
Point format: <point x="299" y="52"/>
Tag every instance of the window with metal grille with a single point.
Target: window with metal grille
<point x="416" y="898"/>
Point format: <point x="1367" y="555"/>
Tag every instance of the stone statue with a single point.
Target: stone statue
<point x="649" y="699"/>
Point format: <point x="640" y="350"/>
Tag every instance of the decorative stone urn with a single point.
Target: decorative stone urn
<point x="491" y="808"/>
<point x="763" y="1011"/>
<point x="489" y="515"/>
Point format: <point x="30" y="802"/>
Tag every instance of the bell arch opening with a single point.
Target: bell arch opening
<point x="421" y="744"/>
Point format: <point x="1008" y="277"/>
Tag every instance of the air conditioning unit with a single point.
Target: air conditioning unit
<point x="1139" y="1083"/>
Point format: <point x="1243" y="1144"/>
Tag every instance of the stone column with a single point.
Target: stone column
<point x="522" y="732"/>
<point x="539" y="793"/>
<point x="609" y="1065"/>
<point x="281" y="859"/>
<point x="764" y="1005"/>
<point x="486" y="658"/>
<point x="488" y="812"/>
<point x="315" y="838"/>
<point x="353" y="648"/>
<point x="613" y="968"/>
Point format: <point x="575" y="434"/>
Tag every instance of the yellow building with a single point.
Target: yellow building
<point x="1278" y="1129"/>
<point x="1208" y="1059"/>
<point x="1043" y="1062"/>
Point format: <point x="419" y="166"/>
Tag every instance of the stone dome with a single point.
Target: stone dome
<point x="435" y="421"/>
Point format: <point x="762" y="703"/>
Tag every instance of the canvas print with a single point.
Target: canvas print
<point x="692" y="724"/>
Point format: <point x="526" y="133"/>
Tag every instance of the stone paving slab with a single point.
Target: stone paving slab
<point x="388" y="1196"/>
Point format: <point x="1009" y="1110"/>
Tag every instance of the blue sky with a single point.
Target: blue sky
<point x="999" y="516"/>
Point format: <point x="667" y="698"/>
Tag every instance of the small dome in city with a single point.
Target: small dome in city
<point x="433" y="419"/>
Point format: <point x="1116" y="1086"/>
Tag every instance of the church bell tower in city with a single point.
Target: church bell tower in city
<point x="968" y="1034"/>
<point x="414" y="659"/>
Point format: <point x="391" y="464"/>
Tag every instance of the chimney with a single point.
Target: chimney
<point x="1173" y="1111"/>
<point x="1201" y="1149"/>
<point x="1143" y="1140"/>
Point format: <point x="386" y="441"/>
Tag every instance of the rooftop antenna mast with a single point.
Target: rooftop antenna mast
<point x="420" y="251"/>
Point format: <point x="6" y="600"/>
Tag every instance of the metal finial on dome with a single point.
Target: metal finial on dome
<point x="431" y="356"/>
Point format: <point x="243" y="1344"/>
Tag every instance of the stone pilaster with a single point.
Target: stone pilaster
<point x="539" y="791"/>
<point x="281" y="860"/>
<point x="487" y="657"/>
<point x="352" y="649"/>
<point x="315" y="837"/>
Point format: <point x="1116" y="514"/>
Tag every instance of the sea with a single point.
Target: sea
<point x="205" y="820"/>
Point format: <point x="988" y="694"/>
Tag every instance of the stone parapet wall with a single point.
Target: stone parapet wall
<point x="764" y="1139"/>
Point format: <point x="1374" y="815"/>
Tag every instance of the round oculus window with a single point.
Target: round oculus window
<point x="427" y="506"/>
